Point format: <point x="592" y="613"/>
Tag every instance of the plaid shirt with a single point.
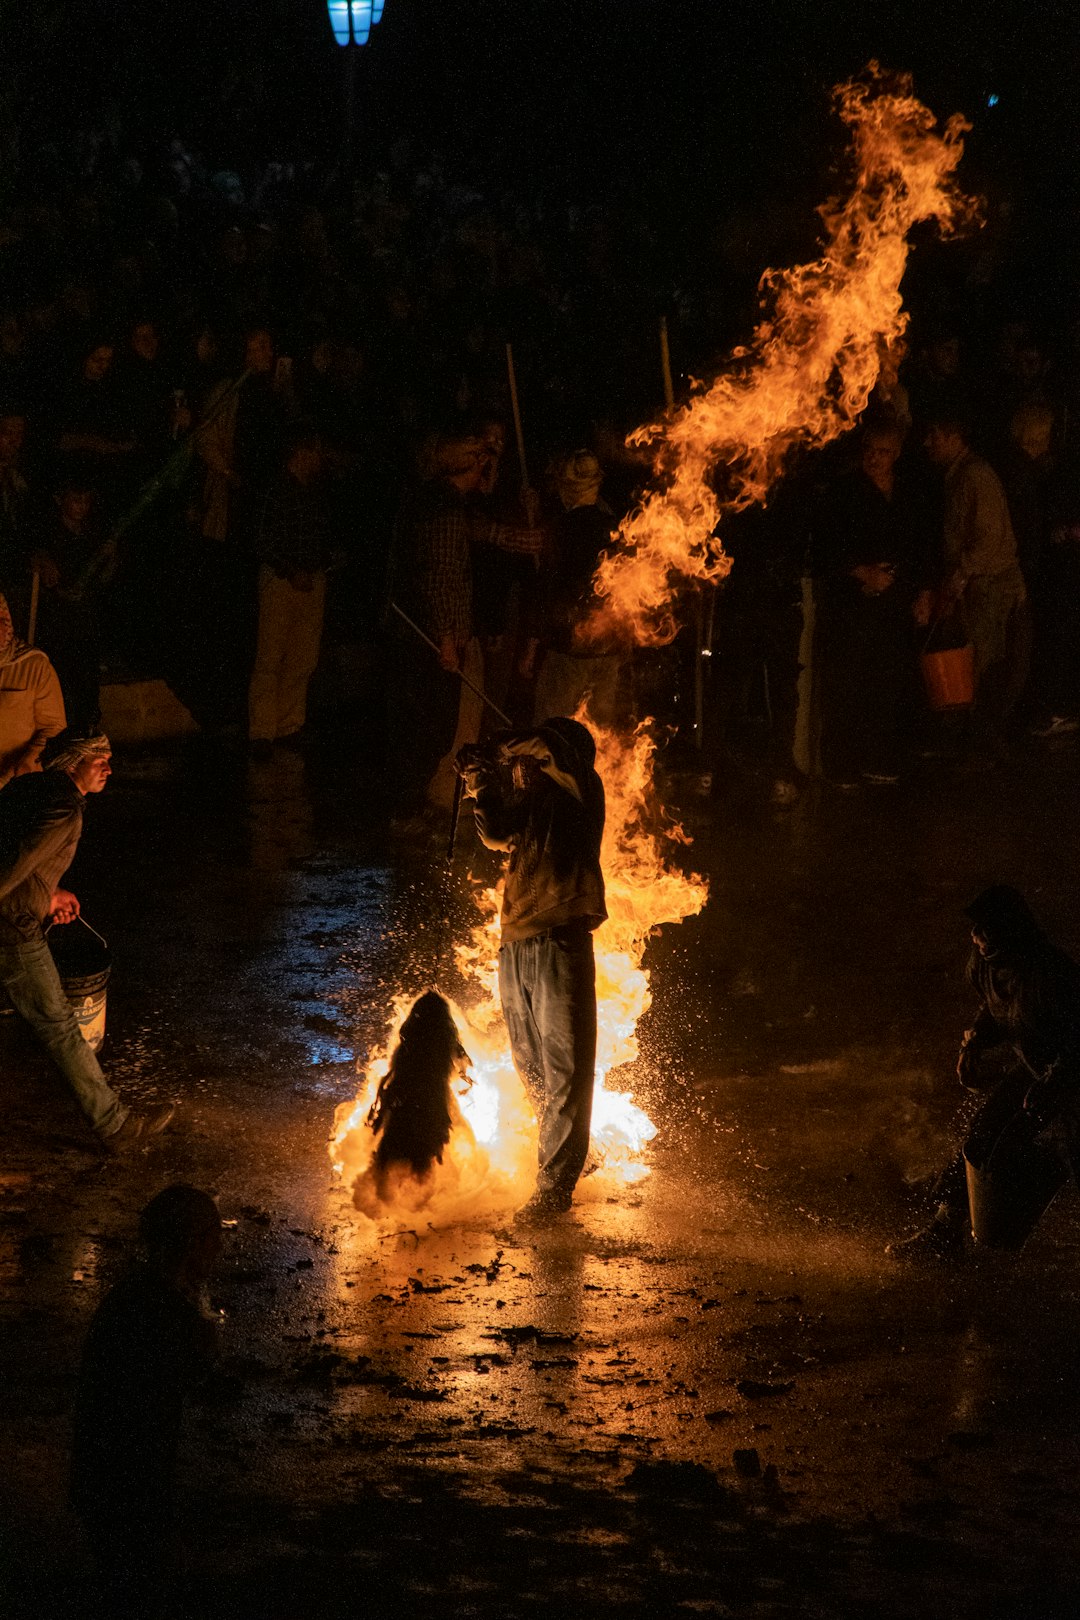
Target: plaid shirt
<point x="430" y="567"/>
<point x="294" y="535"/>
<point x="515" y="538"/>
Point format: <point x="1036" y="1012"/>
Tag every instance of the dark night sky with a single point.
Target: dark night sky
<point x="663" y="97"/>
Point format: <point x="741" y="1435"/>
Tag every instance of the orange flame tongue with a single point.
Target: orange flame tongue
<point x="808" y="371"/>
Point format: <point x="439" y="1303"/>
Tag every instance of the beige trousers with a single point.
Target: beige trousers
<point x="290" y="632"/>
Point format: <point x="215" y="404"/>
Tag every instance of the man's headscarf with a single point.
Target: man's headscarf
<point x="15" y="647"/>
<point x="78" y="749"/>
<point x="578" y="478"/>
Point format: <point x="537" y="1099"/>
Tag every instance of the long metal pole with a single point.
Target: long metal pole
<point x="460" y="673"/>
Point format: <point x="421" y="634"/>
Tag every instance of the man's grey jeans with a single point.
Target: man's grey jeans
<point x="547" y="986"/>
<point x="28" y="974"/>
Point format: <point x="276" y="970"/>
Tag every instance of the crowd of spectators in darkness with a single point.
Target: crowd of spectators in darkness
<point x="247" y="416"/>
<point x="239" y="412"/>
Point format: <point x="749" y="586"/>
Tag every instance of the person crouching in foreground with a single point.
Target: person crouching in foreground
<point x="414" y="1109"/>
<point x="41" y="817"/>
<point x="548" y="816"/>
<point x="149" y="1345"/>
<point x="1023" y="1050"/>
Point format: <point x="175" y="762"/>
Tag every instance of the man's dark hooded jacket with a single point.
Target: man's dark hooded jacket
<point x="41" y="817"/>
<point x="552" y="830"/>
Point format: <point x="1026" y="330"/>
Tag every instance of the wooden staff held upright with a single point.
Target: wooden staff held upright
<point x="516" y="408"/>
<point x="35" y="592"/>
<point x="665" y="365"/>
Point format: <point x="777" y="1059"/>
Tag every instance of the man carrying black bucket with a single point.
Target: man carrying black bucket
<point x="1024" y="1050"/>
<point x="41" y="819"/>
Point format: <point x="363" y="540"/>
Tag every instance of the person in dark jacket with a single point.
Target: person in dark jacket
<point x="149" y="1345"/>
<point x="41" y="817"/>
<point x="866" y="564"/>
<point x="547" y="814"/>
<point x="1023" y="1049"/>
<point x="570" y="667"/>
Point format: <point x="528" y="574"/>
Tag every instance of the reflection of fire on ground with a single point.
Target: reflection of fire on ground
<point x="490" y="1162"/>
<point x="804" y="379"/>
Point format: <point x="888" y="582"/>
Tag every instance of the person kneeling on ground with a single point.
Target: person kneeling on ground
<point x="1029" y="992"/>
<point x="150" y="1343"/>
<point x="41" y="817"/>
<point x="547" y="814"/>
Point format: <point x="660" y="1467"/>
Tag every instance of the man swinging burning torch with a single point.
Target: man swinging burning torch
<point x="539" y="800"/>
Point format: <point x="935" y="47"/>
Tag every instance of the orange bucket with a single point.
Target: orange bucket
<point x="949" y="677"/>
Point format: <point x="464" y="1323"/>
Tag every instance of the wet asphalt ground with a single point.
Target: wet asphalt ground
<point x="709" y="1394"/>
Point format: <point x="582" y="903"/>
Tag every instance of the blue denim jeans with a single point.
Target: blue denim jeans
<point x="28" y="974"/>
<point x="547" y="986"/>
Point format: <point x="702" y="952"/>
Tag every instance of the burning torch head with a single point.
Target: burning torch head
<point x="411" y="1115"/>
<point x="431" y="1024"/>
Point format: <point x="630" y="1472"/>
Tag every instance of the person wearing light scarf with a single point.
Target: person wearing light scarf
<point x="31" y="705"/>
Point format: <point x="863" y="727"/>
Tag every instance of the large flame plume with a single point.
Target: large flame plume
<point x="808" y="371"/>
<point x="490" y="1162"/>
<point x="805" y="378"/>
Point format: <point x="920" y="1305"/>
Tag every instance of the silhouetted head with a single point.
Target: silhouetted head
<point x="948" y="434"/>
<point x="457" y="457"/>
<point x="181" y="1229"/>
<point x="1002" y="922"/>
<point x="429" y="1022"/>
<point x="411" y="1113"/>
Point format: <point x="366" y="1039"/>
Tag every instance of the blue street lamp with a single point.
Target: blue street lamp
<point x="353" y="20"/>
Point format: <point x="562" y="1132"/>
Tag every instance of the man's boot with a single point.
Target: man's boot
<point x="138" y="1130"/>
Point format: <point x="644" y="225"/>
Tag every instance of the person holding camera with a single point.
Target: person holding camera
<point x="1022" y="1054"/>
<point x="540" y="801"/>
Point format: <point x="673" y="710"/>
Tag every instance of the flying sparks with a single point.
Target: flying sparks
<point x="492" y="1162"/>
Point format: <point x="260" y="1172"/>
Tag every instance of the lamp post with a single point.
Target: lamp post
<point x="352" y="22"/>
